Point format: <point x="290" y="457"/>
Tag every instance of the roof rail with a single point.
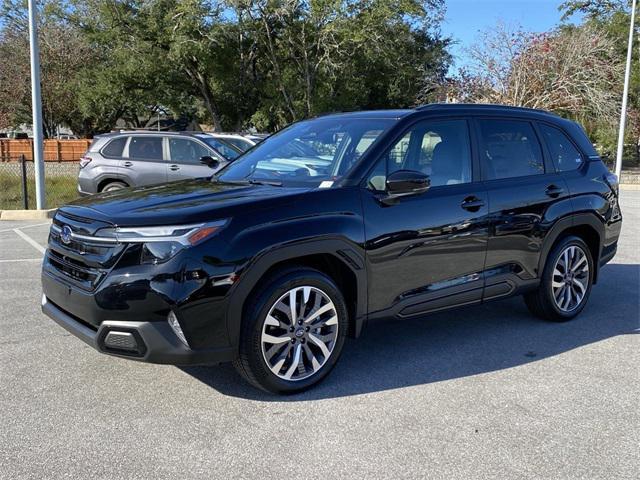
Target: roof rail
<point x="480" y="106"/>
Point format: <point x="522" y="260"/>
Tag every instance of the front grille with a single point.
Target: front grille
<point x="83" y="261"/>
<point x="86" y="277"/>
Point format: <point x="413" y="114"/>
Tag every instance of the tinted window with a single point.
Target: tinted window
<point x="223" y="148"/>
<point x="439" y="149"/>
<point x="183" y="150"/>
<point x="146" y="147"/>
<point x="564" y="154"/>
<point x="509" y="149"/>
<point x="114" y="147"/>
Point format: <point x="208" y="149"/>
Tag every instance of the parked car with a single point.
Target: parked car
<point x="256" y="137"/>
<point x="225" y="146"/>
<point x="135" y="158"/>
<point x="273" y="262"/>
<point x="239" y="141"/>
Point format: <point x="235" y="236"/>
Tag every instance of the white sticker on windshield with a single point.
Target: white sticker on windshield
<point x="326" y="184"/>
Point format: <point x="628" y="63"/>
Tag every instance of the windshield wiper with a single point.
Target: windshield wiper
<point x="273" y="183"/>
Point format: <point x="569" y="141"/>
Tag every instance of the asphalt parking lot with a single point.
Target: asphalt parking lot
<point x="485" y="392"/>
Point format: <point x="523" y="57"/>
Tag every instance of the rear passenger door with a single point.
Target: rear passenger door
<point x="143" y="160"/>
<point x="525" y="195"/>
<point x="184" y="159"/>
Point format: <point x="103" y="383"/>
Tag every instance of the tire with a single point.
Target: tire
<point x="113" y="186"/>
<point x="269" y="366"/>
<point x="549" y="301"/>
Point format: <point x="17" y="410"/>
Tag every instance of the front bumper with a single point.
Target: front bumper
<point x="156" y="341"/>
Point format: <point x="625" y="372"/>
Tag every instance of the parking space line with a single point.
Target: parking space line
<point x="26" y="226"/>
<point x="29" y="240"/>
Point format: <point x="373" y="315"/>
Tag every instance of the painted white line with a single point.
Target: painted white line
<point x="26" y="226"/>
<point x="10" y="260"/>
<point x="36" y="225"/>
<point x="30" y="240"/>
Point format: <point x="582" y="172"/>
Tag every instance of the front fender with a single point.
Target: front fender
<point x="345" y="251"/>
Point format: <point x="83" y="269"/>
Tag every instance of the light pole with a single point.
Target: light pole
<point x="36" y="104"/>
<point x="625" y="93"/>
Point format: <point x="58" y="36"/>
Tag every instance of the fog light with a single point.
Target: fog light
<point x="121" y="341"/>
<point x="177" y="329"/>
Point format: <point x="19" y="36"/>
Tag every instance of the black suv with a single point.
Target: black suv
<point x="331" y="223"/>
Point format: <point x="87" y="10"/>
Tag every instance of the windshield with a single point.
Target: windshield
<point x="240" y="143"/>
<point x="308" y="153"/>
<point x="228" y="151"/>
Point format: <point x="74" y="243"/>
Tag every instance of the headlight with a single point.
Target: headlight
<point x="158" y="252"/>
<point x="162" y="242"/>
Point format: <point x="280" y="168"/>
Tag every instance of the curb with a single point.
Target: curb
<point x="630" y="186"/>
<point x="27" y="214"/>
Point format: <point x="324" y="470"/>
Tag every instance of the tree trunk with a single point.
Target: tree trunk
<point x="207" y="96"/>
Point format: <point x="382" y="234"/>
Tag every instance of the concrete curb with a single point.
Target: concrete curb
<point x="27" y="214"/>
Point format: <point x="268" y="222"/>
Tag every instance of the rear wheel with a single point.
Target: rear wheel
<point x="113" y="186"/>
<point x="566" y="282"/>
<point x="293" y="332"/>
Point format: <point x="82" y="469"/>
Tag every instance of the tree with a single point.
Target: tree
<point x="613" y="17"/>
<point x="64" y="54"/>
<point x="573" y="71"/>
<point x="231" y="63"/>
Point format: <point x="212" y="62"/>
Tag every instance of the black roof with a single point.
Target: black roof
<point x="481" y="107"/>
<point x="394" y="114"/>
<point x="445" y="107"/>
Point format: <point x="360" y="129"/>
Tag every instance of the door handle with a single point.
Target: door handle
<point x="472" y="203"/>
<point x="128" y="164"/>
<point x="174" y="168"/>
<point x="553" y="191"/>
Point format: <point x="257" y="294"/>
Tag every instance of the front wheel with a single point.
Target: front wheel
<point x="566" y="282"/>
<point x="293" y="332"/>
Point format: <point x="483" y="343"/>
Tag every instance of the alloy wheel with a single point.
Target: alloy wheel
<point x="299" y="333"/>
<point x="570" y="280"/>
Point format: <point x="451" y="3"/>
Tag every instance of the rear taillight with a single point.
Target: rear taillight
<point x="84" y="161"/>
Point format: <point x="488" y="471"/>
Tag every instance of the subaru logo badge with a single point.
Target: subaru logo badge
<point x="65" y="234"/>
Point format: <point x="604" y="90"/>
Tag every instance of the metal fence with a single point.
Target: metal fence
<point x="18" y="189"/>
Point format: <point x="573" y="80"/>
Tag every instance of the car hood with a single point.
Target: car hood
<point x="179" y="202"/>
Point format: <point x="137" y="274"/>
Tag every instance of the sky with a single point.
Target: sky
<point x="465" y="18"/>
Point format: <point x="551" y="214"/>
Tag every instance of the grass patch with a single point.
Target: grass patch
<point x="59" y="190"/>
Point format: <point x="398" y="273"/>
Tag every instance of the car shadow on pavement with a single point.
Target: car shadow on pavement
<point x="394" y="354"/>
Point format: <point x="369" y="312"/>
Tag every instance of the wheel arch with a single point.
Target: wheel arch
<point x="586" y="226"/>
<point x="336" y="258"/>
<point x="106" y="180"/>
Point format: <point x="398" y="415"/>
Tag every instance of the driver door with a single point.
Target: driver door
<point x="426" y="251"/>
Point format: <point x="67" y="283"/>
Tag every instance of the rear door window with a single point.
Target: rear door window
<point x="115" y="147"/>
<point x="145" y="148"/>
<point x="563" y="152"/>
<point x="509" y="148"/>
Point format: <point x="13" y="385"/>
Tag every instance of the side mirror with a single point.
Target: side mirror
<point x="407" y="182"/>
<point x="210" y="161"/>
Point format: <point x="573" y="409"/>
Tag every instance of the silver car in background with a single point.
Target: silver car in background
<point x="134" y="158"/>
